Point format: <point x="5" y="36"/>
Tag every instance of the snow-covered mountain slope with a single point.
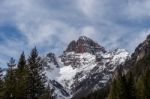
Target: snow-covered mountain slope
<point x="84" y="66"/>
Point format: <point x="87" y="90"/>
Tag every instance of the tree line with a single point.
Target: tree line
<point x="26" y="79"/>
<point x="133" y="85"/>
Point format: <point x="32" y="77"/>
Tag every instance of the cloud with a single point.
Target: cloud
<point x="36" y="22"/>
<point x="89" y="31"/>
<point x="138" y="9"/>
<point x="86" y="6"/>
<point x="51" y="25"/>
<point x="138" y="39"/>
<point x="10" y="48"/>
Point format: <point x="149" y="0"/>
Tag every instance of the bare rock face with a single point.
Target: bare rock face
<point x="82" y="45"/>
<point x="50" y="58"/>
<point x="142" y="50"/>
<point x="85" y="44"/>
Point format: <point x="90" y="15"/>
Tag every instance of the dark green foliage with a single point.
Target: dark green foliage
<point x="113" y="91"/>
<point x="21" y="78"/>
<point x="10" y="80"/>
<point x="48" y="93"/>
<point x="122" y="92"/>
<point x="36" y="78"/>
<point x="140" y="88"/>
<point x="1" y="83"/>
<point x="25" y="80"/>
<point x="100" y="94"/>
<point x="141" y="66"/>
<point x="22" y="63"/>
<point x="130" y="86"/>
<point x="1" y="77"/>
<point x="143" y="86"/>
<point x="137" y="83"/>
<point x="134" y="85"/>
<point x="119" y="89"/>
<point x="123" y="88"/>
<point x="142" y="75"/>
<point x="146" y="81"/>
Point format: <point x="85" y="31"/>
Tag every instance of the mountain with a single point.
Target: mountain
<point x="141" y="54"/>
<point x="84" y="44"/>
<point x="84" y="67"/>
<point x="131" y="79"/>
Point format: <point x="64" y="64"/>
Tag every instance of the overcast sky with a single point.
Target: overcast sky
<point x="52" y="24"/>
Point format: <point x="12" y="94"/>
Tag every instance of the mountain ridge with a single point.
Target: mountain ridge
<point x="131" y="79"/>
<point x="84" y="65"/>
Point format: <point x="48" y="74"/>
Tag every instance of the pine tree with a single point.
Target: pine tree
<point x="122" y="88"/>
<point x="21" y="75"/>
<point x="143" y="86"/>
<point x="10" y="80"/>
<point x="130" y="87"/>
<point x="140" y="88"/>
<point x="118" y="90"/>
<point x="1" y="77"/>
<point x="48" y="93"/>
<point x="113" y="91"/>
<point x="22" y="63"/>
<point x="147" y="84"/>
<point x="36" y="78"/>
<point x="1" y="83"/>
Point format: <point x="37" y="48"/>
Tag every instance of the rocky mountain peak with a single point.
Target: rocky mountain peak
<point x="51" y="58"/>
<point x="83" y="67"/>
<point x="83" y="45"/>
<point x="148" y="37"/>
<point x="84" y="38"/>
<point x="142" y="50"/>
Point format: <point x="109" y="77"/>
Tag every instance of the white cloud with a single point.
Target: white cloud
<point x="35" y="22"/>
<point x="141" y="36"/>
<point x="45" y="25"/>
<point x="87" y="6"/>
<point x="92" y="8"/>
<point x="10" y="48"/>
<point x="138" y="9"/>
<point x="89" y="31"/>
